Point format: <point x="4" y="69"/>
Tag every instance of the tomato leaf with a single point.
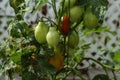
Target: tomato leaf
<point x="44" y="67"/>
<point x="116" y="58"/>
<point x="16" y="57"/>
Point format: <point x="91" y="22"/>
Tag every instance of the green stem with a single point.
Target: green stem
<point x="115" y="78"/>
<point x="51" y="21"/>
<point x="78" y="74"/>
<point x="54" y="8"/>
<point x="103" y="65"/>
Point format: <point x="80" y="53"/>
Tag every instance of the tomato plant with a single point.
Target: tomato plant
<point x="52" y="49"/>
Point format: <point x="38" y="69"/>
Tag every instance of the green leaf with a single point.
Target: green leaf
<point x="16" y="57"/>
<point x="105" y="29"/>
<point x="23" y="26"/>
<point x="15" y="4"/>
<point x="39" y="4"/>
<point x="28" y="76"/>
<point x="116" y="58"/>
<point x="44" y="67"/>
<point x="13" y="29"/>
<point x="18" y="29"/>
<point x="101" y="77"/>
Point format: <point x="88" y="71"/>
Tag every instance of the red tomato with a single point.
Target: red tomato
<point x="65" y="25"/>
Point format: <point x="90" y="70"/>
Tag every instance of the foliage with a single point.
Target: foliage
<point x="22" y="54"/>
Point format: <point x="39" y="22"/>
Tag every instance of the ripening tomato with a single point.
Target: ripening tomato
<point x="76" y="13"/>
<point x="40" y="32"/>
<point x="65" y="25"/>
<point x="57" y="61"/>
<point x="53" y="37"/>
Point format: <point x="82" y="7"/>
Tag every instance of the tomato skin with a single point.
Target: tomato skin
<point x="90" y="20"/>
<point x="76" y="13"/>
<point x="65" y="25"/>
<point x="53" y="37"/>
<point x="41" y="31"/>
<point x="57" y="61"/>
<point x="73" y="40"/>
<point x="72" y="3"/>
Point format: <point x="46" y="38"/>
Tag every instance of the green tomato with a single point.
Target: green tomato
<point x="90" y="20"/>
<point x="76" y="13"/>
<point x="73" y="40"/>
<point x="53" y="37"/>
<point x="41" y="31"/>
<point x="72" y="3"/>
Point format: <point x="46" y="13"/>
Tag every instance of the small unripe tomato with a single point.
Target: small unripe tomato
<point x="90" y="20"/>
<point x="53" y="37"/>
<point x="73" y="39"/>
<point x="72" y="3"/>
<point x="41" y="31"/>
<point x="76" y="13"/>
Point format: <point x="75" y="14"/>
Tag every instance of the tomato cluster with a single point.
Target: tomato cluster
<point x="65" y="32"/>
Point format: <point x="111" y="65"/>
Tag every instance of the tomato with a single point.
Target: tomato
<point x="53" y="37"/>
<point x="76" y="13"/>
<point x="72" y="3"/>
<point x="40" y="32"/>
<point x="65" y="25"/>
<point x="73" y="39"/>
<point x="57" y="61"/>
<point x="90" y="20"/>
